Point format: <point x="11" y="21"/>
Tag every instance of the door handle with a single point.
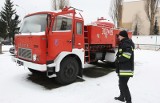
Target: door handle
<point x="69" y="41"/>
<point x="79" y="44"/>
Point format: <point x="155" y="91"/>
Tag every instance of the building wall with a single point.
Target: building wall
<point x="134" y="13"/>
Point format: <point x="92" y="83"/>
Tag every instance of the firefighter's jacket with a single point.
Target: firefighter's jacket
<point x="125" y="58"/>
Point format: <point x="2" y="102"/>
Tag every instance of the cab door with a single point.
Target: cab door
<point x="60" y="37"/>
<point x="79" y="34"/>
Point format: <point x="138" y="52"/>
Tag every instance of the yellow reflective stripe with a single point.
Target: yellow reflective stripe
<point x="125" y="74"/>
<point x="126" y="56"/>
<point x="132" y="48"/>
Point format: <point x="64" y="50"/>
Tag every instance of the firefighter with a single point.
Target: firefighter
<point x="64" y="25"/>
<point x="124" y="65"/>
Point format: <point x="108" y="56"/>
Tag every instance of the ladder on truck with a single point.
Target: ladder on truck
<point x="87" y="46"/>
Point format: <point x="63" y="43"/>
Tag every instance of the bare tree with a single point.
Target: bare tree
<point x="54" y="4"/>
<point x="151" y="7"/>
<point x="116" y="12"/>
<point x="59" y="4"/>
<point x="137" y="24"/>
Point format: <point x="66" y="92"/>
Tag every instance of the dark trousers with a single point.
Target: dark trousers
<point x="123" y="87"/>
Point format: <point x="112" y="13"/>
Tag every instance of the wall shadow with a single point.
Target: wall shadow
<point x="47" y="83"/>
<point x="98" y="70"/>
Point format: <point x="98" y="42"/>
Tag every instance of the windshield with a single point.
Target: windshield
<point x="34" y="24"/>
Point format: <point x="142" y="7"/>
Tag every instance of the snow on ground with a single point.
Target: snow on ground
<point x="18" y="85"/>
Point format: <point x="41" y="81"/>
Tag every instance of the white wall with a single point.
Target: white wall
<point x="147" y="42"/>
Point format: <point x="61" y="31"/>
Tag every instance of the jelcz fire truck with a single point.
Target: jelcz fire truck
<point x="59" y="44"/>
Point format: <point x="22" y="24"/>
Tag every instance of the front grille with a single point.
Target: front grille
<point x="25" y="53"/>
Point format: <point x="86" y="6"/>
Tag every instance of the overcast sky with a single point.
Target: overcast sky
<point x="92" y="9"/>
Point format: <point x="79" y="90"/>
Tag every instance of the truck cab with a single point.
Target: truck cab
<point x="48" y="39"/>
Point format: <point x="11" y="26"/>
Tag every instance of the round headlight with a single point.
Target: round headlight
<point x="34" y="57"/>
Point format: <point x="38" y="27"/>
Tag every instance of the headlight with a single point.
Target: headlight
<point x="34" y="57"/>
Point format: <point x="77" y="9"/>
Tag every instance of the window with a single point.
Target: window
<point x="34" y="24"/>
<point x="62" y="23"/>
<point x="79" y="28"/>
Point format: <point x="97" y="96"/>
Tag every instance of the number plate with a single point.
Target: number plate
<point x="19" y="62"/>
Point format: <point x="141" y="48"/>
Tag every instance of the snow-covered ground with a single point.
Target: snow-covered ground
<point x="18" y="85"/>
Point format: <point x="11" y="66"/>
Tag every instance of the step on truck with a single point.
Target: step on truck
<point x="59" y="44"/>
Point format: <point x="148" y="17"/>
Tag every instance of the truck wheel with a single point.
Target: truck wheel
<point x="68" y="71"/>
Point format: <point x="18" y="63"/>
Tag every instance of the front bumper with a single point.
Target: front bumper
<point x="38" y="67"/>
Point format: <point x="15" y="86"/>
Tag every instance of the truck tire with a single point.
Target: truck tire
<point x="68" y="71"/>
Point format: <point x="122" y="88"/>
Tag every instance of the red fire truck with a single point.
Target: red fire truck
<point x="59" y="44"/>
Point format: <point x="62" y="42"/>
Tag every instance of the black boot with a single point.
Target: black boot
<point x="120" y="99"/>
